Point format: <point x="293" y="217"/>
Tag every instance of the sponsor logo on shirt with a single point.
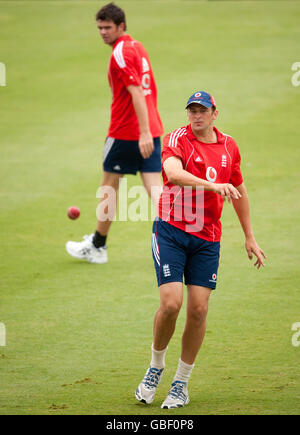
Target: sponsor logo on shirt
<point x="146" y="66"/>
<point x="146" y="79"/>
<point x="211" y="174"/>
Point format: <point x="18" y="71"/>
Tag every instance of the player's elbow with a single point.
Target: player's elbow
<point x="174" y="177"/>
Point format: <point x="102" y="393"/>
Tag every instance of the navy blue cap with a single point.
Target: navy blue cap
<point x="202" y="98"/>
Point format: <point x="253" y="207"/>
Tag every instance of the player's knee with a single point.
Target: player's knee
<point x="171" y="308"/>
<point x="110" y="179"/>
<point x="198" y="313"/>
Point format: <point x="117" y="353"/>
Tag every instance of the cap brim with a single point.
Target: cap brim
<point x="208" y="105"/>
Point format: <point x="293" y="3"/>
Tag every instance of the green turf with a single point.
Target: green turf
<point x="78" y="335"/>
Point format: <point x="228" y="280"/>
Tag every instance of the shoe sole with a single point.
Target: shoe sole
<point x="97" y="262"/>
<point x="175" y="407"/>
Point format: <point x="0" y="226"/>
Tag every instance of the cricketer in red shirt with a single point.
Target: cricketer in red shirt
<point x="195" y="156"/>
<point x="130" y="65"/>
<point x="133" y="142"/>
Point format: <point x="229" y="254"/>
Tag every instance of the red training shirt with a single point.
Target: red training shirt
<point x="197" y="211"/>
<point x="130" y="65"/>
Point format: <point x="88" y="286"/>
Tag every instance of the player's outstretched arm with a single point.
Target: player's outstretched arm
<point x="180" y="177"/>
<point x="242" y="209"/>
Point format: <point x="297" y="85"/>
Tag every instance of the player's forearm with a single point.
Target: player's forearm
<point x="140" y="107"/>
<point x="242" y="209"/>
<point x="182" y="178"/>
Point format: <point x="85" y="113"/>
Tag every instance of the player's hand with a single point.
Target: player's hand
<point x="146" y="145"/>
<point x="253" y="248"/>
<point x="226" y="190"/>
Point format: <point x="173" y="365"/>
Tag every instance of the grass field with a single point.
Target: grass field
<point x="79" y="335"/>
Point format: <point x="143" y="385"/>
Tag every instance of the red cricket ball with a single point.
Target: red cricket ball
<point x="73" y="213"/>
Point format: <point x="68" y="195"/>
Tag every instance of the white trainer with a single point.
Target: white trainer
<point x="145" y="392"/>
<point x="86" y="250"/>
<point x="178" y="396"/>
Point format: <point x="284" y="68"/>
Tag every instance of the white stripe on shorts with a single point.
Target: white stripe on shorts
<point x="107" y="147"/>
<point x="155" y="249"/>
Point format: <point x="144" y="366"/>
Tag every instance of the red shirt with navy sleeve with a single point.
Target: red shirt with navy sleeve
<point x="195" y="210"/>
<point x="130" y="65"/>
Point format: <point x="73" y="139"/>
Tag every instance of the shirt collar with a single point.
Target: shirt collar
<point x="122" y="38"/>
<point x="191" y="136"/>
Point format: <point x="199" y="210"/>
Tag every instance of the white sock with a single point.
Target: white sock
<point x="184" y="371"/>
<point x="158" y="358"/>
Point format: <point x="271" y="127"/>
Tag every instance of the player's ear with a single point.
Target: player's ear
<point x="122" y="27"/>
<point x="215" y="114"/>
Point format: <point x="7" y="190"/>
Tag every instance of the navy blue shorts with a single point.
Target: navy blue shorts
<point x="177" y="254"/>
<point x="124" y="157"/>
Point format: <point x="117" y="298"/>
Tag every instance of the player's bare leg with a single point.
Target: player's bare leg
<point x="195" y="327"/>
<point x="109" y="180"/>
<point x="171" y="296"/>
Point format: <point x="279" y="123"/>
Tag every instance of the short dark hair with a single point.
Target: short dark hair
<point x="112" y="12"/>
